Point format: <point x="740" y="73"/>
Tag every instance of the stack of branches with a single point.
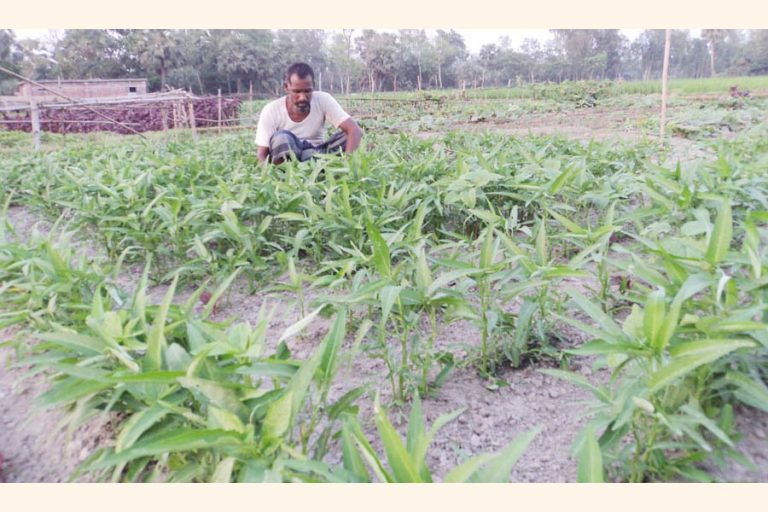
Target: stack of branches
<point x="151" y="112"/>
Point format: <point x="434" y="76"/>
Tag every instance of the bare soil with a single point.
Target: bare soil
<point x="584" y="124"/>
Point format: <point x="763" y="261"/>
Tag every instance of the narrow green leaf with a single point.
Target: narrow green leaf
<point x="387" y="297"/>
<point x="139" y="303"/>
<point x="397" y="455"/>
<point x="653" y="319"/>
<point x="85" y="345"/>
<point x="464" y="471"/>
<point x="224" y="419"/>
<point x="299" y="326"/>
<point x="590" y="459"/>
<point x="577" y="380"/>
<point x="689" y="356"/>
<point x="416" y="429"/>
<point x="749" y="391"/>
<point x="604" y="321"/>
<point x="561" y="179"/>
<point x="278" y="418"/>
<point x="381" y="258"/>
<point x="541" y="242"/>
<point x="567" y="223"/>
<point x="215" y="394"/>
<point x="352" y="460"/>
<point x="156" y="340"/>
<point x="415" y="231"/>
<point x="218" y="292"/>
<point x="448" y="277"/>
<point x="364" y="448"/>
<point x="180" y="440"/>
<point x="70" y="390"/>
<point x="698" y="415"/>
<point x="720" y="239"/>
<point x="137" y="424"/>
<point x="487" y="253"/>
<point x="299" y="384"/>
<point x="223" y="472"/>
<point x="270" y="368"/>
<point x="334" y="340"/>
<point x="423" y="275"/>
<point x="498" y="469"/>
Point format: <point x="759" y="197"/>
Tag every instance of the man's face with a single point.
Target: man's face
<point x="299" y="91"/>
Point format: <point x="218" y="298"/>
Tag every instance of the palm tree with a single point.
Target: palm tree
<point x="157" y="51"/>
<point x="713" y="36"/>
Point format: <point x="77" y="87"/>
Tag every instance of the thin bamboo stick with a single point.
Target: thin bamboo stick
<point x="664" y="87"/>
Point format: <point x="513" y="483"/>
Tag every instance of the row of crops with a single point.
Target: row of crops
<point x="393" y="244"/>
<point x="688" y="116"/>
<point x="568" y="90"/>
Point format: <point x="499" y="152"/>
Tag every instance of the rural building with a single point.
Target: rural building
<point x="96" y="88"/>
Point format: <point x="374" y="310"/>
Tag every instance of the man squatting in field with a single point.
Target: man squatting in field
<point x="292" y="126"/>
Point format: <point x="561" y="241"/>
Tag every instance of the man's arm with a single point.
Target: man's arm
<point x="262" y="153"/>
<point x="353" y="132"/>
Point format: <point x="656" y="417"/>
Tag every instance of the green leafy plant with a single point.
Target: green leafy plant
<point x="407" y="460"/>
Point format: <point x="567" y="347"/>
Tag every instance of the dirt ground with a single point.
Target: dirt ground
<point x="34" y="449"/>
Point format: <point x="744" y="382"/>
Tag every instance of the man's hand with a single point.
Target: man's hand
<point x="353" y="132"/>
<point x="262" y="154"/>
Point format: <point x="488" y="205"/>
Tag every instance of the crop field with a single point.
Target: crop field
<point x="525" y="288"/>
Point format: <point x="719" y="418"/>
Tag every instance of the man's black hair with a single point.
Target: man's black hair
<point x="301" y="70"/>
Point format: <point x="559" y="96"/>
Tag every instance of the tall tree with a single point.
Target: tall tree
<point x="757" y="52"/>
<point x="341" y="58"/>
<point x="157" y="51"/>
<point x="9" y="50"/>
<point x="91" y="53"/>
<point x="613" y="44"/>
<point x="533" y="50"/>
<point x="488" y="57"/>
<point x="243" y="56"/>
<point x="378" y="51"/>
<point x="449" y="49"/>
<point x="577" y="46"/>
<point x="713" y="36"/>
<point x="416" y="51"/>
<point x="11" y="58"/>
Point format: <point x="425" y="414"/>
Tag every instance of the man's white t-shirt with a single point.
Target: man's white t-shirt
<point x="274" y="117"/>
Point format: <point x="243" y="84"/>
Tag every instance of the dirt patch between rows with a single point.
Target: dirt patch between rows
<point x="584" y="124"/>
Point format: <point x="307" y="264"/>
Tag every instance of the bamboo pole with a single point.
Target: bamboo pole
<point x="219" y="108"/>
<point x="34" y="114"/>
<point x="192" y="124"/>
<point x="664" y="86"/>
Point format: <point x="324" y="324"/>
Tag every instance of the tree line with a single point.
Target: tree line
<point x="240" y="61"/>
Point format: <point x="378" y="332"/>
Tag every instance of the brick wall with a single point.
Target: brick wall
<point x="84" y="89"/>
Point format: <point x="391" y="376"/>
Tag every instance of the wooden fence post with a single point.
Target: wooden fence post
<point x="192" y="123"/>
<point x="219" y="111"/>
<point x="175" y="114"/>
<point x="34" y="115"/>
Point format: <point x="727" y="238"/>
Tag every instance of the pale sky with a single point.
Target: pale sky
<point x="476" y="38"/>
